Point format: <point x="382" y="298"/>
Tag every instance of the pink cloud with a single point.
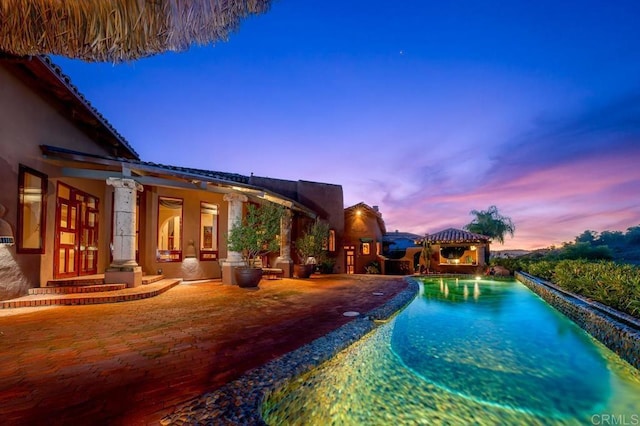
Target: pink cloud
<point x="549" y="206"/>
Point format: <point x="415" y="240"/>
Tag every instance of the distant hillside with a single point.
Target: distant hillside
<point x="621" y="247"/>
<point x="508" y="254"/>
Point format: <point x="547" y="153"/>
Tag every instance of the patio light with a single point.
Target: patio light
<point x="6" y="233"/>
<point x="190" y="251"/>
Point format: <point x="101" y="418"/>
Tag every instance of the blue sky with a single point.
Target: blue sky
<point x="426" y="109"/>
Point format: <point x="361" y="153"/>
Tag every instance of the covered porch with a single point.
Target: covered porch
<point x="151" y="219"/>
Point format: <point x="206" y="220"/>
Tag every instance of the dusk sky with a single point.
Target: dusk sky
<point x="427" y="109"/>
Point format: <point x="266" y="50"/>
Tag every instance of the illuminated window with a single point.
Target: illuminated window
<point x="378" y="247"/>
<point x="208" y="231"/>
<point x="366" y="248"/>
<point x="169" y="229"/>
<point x="32" y="209"/>
<point x="332" y="240"/>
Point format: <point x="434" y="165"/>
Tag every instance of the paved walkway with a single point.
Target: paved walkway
<point x="133" y="362"/>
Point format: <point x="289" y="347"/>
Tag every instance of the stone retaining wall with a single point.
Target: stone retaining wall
<point x="617" y="331"/>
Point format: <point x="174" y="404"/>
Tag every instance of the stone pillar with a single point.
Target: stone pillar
<point x="124" y="268"/>
<point x="233" y="257"/>
<point x="284" y="261"/>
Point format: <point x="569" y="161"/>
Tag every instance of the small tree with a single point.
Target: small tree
<point x="313" y="243"/>
<point x="257" y="233"/>
<point x="426" y="252"/>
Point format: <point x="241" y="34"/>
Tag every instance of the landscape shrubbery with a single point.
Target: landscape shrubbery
<point x="615" y="285"/>
<point x="585" y="267"/>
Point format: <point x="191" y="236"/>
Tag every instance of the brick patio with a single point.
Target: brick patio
<point x="133" y="362"/>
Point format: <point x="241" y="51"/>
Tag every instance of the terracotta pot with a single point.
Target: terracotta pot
<point x="302" y="271"/>
<point x="247" y="277"/>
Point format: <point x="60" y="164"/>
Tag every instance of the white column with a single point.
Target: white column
<point x="124" y="267"/>
<point x="284" y="261"/>
<point x="234" y="216"/>
<point x="124" y="223"/>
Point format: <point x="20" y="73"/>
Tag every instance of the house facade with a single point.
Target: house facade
<point x="363" y="239"/>
<point x="80" y="201"/>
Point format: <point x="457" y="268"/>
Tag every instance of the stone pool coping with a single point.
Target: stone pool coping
<point x="240" y="401"/>
<point x="616" y="330"/>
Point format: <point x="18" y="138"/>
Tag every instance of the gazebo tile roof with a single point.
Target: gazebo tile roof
<point x="453" y="235"/>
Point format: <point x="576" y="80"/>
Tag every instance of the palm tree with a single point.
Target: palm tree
<point x="491" y="223"/>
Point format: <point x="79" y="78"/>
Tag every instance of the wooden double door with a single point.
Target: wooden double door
<point x="76" y="238"/>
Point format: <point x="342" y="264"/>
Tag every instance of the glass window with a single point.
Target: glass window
<point x="32" y="210"/>
<point x="208" y="231"/>
<point x="366" y="248"/>
<point x="169" y="229"/>
<point x="332" y="240"/>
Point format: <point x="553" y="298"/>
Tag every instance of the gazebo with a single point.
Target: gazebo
<point x="456" y="251"/>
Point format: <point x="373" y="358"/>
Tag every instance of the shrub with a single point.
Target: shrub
<point x="544" y="269"/>
<point x="512" y="264"/>
<point x="614" y="285"/>
<point x="326" y="266"/>
<point x="372" y="268"/>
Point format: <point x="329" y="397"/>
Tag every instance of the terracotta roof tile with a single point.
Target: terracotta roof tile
<point x="231" y="177"/>
<point x="452" y="235"/>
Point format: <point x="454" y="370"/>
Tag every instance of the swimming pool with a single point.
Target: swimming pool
<point x="466" y="351"/>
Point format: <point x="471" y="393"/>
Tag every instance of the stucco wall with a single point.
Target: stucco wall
<point x="327" y="200"/>
<point x="358" y="227"/>
<point x="324" y="198"/>
<point x="27" y="121"/>
<point x="188" y="269"/>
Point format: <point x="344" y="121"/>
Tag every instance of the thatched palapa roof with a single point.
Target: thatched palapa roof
<point x="117" y="30"/>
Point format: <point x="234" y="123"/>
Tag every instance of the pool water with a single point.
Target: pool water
<point x="466" y="351"/>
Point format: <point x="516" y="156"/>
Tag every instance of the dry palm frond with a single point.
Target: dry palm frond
<point x="117" y="30"/>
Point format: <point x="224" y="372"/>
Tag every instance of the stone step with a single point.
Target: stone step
<point x="75" y="282"/>
<point x="124" y="295"/>
<point x="93" y="281"/>
<point x="148" y="279"/>
<point x="77" y="289"/>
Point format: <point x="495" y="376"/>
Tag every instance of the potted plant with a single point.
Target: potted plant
<point x="255" y="235"/>
<point x="311" y="245"/>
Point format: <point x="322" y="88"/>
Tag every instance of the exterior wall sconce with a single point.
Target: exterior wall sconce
<point x="190" y="252"/>
<point x="6" y="233"/>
